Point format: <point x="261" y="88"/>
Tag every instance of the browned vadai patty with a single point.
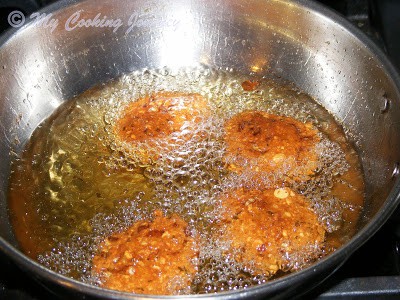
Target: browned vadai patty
<point x="158" y="115"/>
<point x="156" y="257"/>
<point x="271" y="144"/>
<point x="267" y="229"/>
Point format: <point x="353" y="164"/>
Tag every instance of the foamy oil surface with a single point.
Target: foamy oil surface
<point x="76" y="183"/>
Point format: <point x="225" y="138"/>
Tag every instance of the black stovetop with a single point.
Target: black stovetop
<point x="373" y="271"/>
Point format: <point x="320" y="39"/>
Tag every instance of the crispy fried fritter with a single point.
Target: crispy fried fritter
<point x="270" y="144"/>
<point x="158" y="115"/>
<point x="155" y="257"/>
<point x="269" y="230"/>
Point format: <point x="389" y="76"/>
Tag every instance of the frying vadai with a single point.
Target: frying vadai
<point x="267" y="229"/>
<point x="270" y="144"/>
<point x="156" y="257"/>
<point x="158" y="123"/>
<point x="158" y="115"/>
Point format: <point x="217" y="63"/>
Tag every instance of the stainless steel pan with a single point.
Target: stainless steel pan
<point x="299" y="40"/>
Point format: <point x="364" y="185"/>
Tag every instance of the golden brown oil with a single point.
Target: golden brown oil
<point x="74" y="184"/>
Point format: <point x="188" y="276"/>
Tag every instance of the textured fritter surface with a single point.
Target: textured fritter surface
<point x="271" y="144"/>
<point x="155" y="257"/>
<point x="272" y="229"/>
<point x="158" y="115"/>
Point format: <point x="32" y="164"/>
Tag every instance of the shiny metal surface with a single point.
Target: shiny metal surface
<point x="42" y="66"/>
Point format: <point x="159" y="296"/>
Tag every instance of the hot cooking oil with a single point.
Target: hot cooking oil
<point x="76" y="183"/>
